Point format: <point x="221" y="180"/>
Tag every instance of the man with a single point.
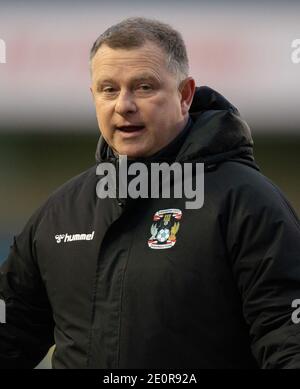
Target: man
<point x="123" y="282"/>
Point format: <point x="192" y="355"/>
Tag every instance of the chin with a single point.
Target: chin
<point x="133" y="152"/>
<point x="135" y="155"/>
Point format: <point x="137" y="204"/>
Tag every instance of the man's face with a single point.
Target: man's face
<point x="138" y="104"/>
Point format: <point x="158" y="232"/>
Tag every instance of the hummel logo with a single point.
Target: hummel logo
<point x="72" y="238"/>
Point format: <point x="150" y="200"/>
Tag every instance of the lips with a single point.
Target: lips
<point x="131" y="128"/>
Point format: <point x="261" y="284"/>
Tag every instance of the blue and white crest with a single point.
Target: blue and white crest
<point x="166" y="223"/>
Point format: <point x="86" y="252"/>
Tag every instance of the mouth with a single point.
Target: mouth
<point x="131" y="128"/>
<point x="131" y="132"/>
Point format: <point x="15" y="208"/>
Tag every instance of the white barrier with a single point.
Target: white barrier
<point x="236" y="49"/>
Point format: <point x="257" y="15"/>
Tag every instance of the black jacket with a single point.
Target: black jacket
<point x="82" y="274"/>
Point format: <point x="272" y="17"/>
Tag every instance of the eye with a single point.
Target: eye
<point x="108" y="89"/>
<point x="145" y="87"/>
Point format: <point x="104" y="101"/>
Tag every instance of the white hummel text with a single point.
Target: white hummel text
<point x="71" y="238"/>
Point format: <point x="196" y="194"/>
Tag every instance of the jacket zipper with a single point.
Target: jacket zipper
<point x="119" y="200"/>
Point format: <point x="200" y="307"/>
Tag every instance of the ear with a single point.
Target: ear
<point x="187" y="90"/>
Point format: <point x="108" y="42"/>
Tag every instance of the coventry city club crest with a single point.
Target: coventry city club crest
<point x="164" y="228"/>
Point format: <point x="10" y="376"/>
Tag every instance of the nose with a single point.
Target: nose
<point x="125" y="103"/>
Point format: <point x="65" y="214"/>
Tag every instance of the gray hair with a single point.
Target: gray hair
<point x="135" y="32"/>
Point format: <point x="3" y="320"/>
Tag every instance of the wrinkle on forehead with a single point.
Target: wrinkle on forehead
<point x="145" y="59"/>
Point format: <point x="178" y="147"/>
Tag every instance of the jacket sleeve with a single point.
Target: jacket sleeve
<point x="263" y="238"/>
<point x="27" y="334"/>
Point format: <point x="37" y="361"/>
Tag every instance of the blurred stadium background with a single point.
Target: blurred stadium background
<point x="48" y="130"/>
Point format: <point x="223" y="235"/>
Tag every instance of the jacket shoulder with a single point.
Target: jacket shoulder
<point x="241" y="191"/>
<point x="79" y="188"/>
<point x="240" y="182"/>
<point x="77" y="185"/>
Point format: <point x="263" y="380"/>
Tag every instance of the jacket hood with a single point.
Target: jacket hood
<point x="218" y="133"/>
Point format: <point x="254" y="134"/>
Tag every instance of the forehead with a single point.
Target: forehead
<point x="147" y="59"/>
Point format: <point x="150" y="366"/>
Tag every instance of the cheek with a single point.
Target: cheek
<point x="154" y="110"/>
<point x="103" y="113"/>
<point x="165" y="113"/>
